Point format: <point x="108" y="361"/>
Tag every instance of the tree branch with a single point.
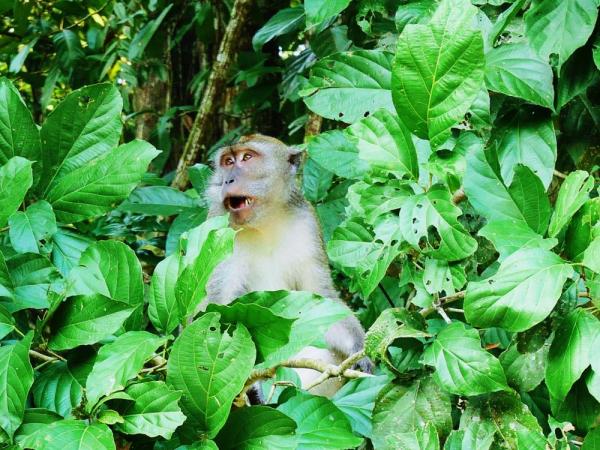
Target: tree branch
<point x="443" y="301"/>
<point x="213" y="92"/>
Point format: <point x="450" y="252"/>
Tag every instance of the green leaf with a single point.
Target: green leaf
<point x="269" y="331"/>
<point x="581" y="229"/>
<point x="435" y="209"/>
<point x="112" y="269"/>
<point x="190" y="289"/>
<point x="528" y="139"/>
<point x="438" y="71"/>
<point x="16" y="178"/>
<point x="256" y="428"/>
<point x="142" y="38"/>
<point x="419" y="11"/>
<point x="163" y="309"/>
<point x="56" y="389"/>
<point x="157" y="201"/>
<point x="18" y="134"/>
<point x="579" y="407"/>
<point x="423" y="438"/>
<point x="34" y="419"/>
<point x="356" y="399"/>
<point x="333" y="151"/>
<point x="503" y="20"/>
<point x="31" y="230"/>
<point x="16" y="378"/>
<point x="524" y="371"/>
<point x="348" y="86"/>
<point x="31" y="278"/>
<point x="95" y="188"/>
<point x="405" y="408"/>
<point x="154" y="412"/>
<point x="484" y="187"/>
<point x="68" y="49"/>
<point x="371" y="201"/>
<point x="313" y="316"/>
<point x="316" y="181"/>
<point x="515" y="70"/>
<point x="284" y="21"/>
<point x="94" y="127"/>
<point x="521" y="294"/>
<point x="7" y="323"/>
<point x="386" y="145"/>
<point x="86" y="319"/>
<point x="210" y="367"/>
<point x="321" y="425"/>
<point x="18" y="60"/>
<point x="503" y="421"/>
<point x="576" y="76"/>
<point x="571" y="351"/>
<point x="591" y="256"/>
<point x="67" y="249"/>
<point x="592" y="440"/>
<point x="508" y="236"/>
<point x="462" y="366"/>
<point x="72" y="435"/>
<point x="560" y="27"/>
<point x="318" y="11"/>
<point x="182" y="223"/>
<point x="118" y="362"/>
<point x="572" y="195"/>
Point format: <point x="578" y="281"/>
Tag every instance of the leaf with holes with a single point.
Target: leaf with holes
<point x="423" y="213"/>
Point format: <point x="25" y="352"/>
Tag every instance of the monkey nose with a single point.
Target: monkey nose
<point x="230" y="181"/>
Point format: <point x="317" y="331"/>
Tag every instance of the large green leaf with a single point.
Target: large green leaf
<point x="592" y="440"/>
<point x="210" y="367"/>
<point x="7" y="322"/>
<point x="313" y="316"/>
<point x="154" y="412"/>
<point x="94" y="188"/>
<point x="143" y="37"/>
<point x="502" y="420"/>
<point x="16" y="178"/>
<point x="158" y="201"/>
<point x="321" y="425"/>
<point x="571" y="351"/>
<point x="86" y="319"/>
<point x="508" y="236"/>
<point x="31" y="230"/>
<point x="319" y="10"/>
<point x="573" y="193"/>
<point x="112" y="269"/>
<point x="423" y="438"/>
<point x="386" y="145"/>
<point x="591" y="255"/>
<point x="350" y="86"/>
<point x="190" y="289"/>
<point x="516" y="70"/>
<point x="67" y="249"/>
<point x="16" y="378"/>
<point x="521" y="294"/>
<point x="524" y="371"/>
<point x="72" y="435"/>
<point x="333" y="151"/>
<point x="269" y="331"/>
<point x="434" y="209"/>
<point x="118" y="362"/>
<point x="462" y="367"/>
<point x="18" y="134"/>
<point x="257" y="428"/>
<point x="373" y="200"/>
<point x="526" y="138"/>
<point x="403" y="408"/>
<point x="438" y="71"/>
<point x="30" y="280"/>
<point x="356" y="399"/>
<point x="85" y="125"/>
<point x="284" y="21"/>
<point x="56" y="389"/>
<point x="560" y="26"/>
<point x="163" y="309"/>
<point x="524" y="201"/>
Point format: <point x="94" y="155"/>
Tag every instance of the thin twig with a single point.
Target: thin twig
<point x="444" y="301"/>
<point x="559" y="174"/>
<point x="386" y="295"/>
<point x="41" y="356"/>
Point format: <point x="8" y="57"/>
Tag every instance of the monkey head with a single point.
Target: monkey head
<point x="253" y="178"/>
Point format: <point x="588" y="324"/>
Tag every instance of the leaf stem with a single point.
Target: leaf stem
<point x="443" y="301"/>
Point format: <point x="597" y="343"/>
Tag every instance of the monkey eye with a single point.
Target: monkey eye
<point x="246" y="156"/>
<point x="229" y="161"/>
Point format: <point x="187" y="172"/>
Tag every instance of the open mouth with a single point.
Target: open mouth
<point x="238" y="202"/>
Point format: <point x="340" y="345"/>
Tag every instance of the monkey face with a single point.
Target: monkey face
<point x="253" y="179"/>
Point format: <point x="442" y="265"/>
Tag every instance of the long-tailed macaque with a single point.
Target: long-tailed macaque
<point x="279" y="245"/>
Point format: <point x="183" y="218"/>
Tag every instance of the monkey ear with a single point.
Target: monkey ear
<point x="295" y="158"/>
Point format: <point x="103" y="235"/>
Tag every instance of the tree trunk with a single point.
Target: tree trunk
<point x="213" y="92"/>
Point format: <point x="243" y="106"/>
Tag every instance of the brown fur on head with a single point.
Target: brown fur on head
<point x="253" y="179"/>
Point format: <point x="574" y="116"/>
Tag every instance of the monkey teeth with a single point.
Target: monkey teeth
<point x="236" y="203"/>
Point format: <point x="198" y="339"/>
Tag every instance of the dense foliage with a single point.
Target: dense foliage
<point x="452" y="152"/>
